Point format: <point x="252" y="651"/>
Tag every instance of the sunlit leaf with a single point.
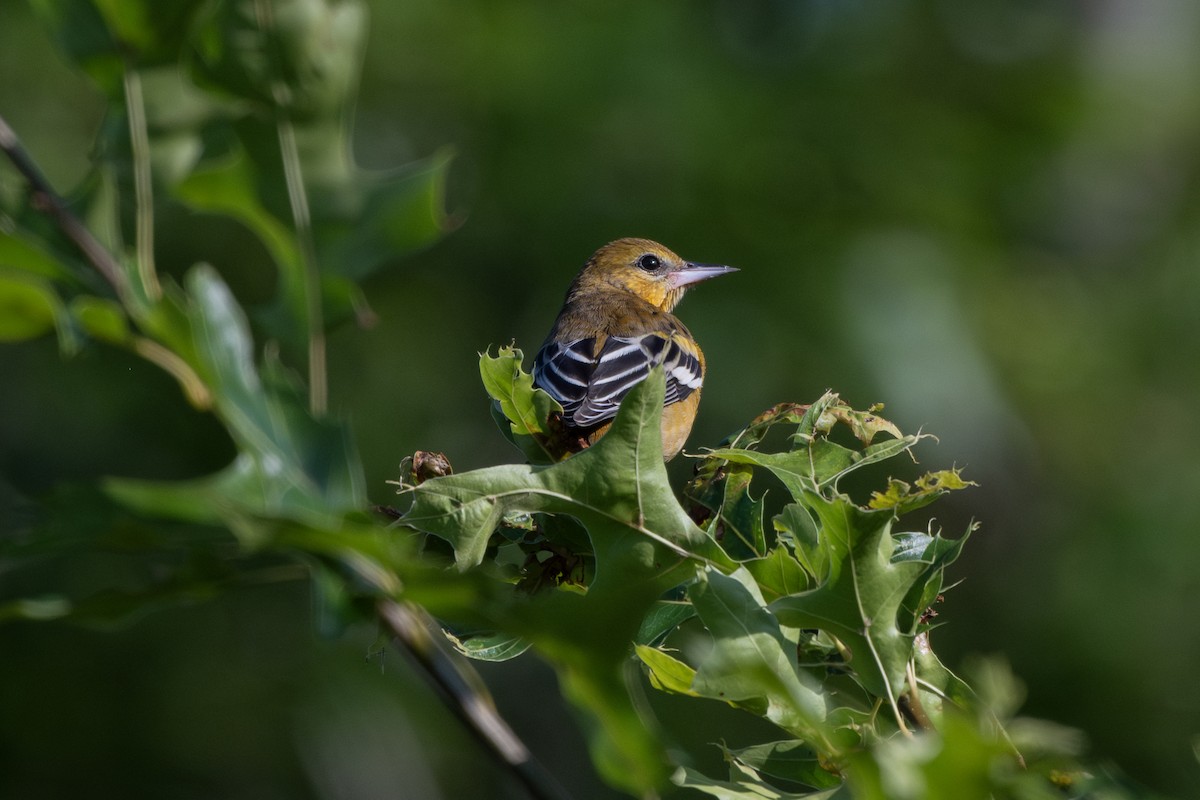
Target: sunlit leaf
<point x="865" y="425"/>
<point x="860" y="598"/>
<point x="490" y="647"/>
<point x="795" y="523"/>
<point x="778" y="574"/>
<point x="644" y="544"/>
<point x="667" y="673"/>
<point x="905" y="498"/>
<point x="707" y="486"/>
<point x="751" y="658"/>
<point x="524" y="410"/>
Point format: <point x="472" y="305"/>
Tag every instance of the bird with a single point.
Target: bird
<point x="614" y="327"/>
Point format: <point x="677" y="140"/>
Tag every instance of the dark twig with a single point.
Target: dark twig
<point x="472" y="706"/>
<point x="45" y="199"/>
<point x="406" y="622"/>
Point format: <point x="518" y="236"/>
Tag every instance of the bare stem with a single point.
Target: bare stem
<point x="318" y="392"/>
<point x="45" y="199"/>
<point x="143" y="185"/>
<point x="197" y="393"/>
<point x="915" y="706"/>
<point x="467" y="699"/>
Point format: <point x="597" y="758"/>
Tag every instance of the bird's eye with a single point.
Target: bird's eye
<point x="649" y="262"/>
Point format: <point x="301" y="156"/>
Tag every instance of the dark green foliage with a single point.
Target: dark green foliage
<point x="820" y="627"/>
<point x="812" y="613"/>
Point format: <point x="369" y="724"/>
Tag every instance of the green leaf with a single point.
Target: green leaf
<point x="524" y="411"/>
<point x="936" y="553"/>
<point x="489" y="646"/>
<point x="21" y="254"/>
<point x="104" y="37"/>
<point x="788" y="760"/>
<point x="644" y="544"/>
<point x="662" y="618"/>
<point x="860" y="597"/>
<point x="958" y="761"/>
<point x="818" y="463"/>
<point x="289" y="464"/>
<point x="929" y="487"/>
<point x="102" y="319"/>
<point x="778" y="574"/>
<point x="36" y="609"/>
<point x="940" y="689"/>
<point x="301" y="58"/>
<point x="185" y="123"/>
<point x="865" y="425"/>
<point x="707" y="486"/>
<point x="751" y="659"/>
<point x="794" y="469"/>
<point x="150" y="31"/>
<point x="251" y="485"/>
<point x="667" y="673"/>
<point x="795" y="523"/>
<point x="360" y="222"/>
<point x="616" y="485"/>
<point x="28" y="308"/>
<point x="83" y="34"/>
<point x="228" y="187"/>
<point x="749" y="788"/>
<point x="367" y="219"/>
<point x="739" y="524"/>
<point x="333" y="602"/>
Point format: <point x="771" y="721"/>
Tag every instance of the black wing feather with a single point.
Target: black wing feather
<point x="591" y="388"/>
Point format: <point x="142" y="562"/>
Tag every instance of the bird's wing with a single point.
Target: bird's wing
<point x="590" y="385"/>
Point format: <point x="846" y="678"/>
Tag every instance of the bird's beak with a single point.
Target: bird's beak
<point x="694" y="273"/>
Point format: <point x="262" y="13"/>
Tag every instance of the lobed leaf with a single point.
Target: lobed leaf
<point x="904" y="498"/>
<point x="523" y="410"/>
<point x="643" y="542"/>
<point x="751" y="659"/>
<point x="667" y="673"/>
<point x="860" y="598"/>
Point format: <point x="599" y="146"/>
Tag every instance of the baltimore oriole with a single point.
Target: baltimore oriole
<point x="614" y="327"/>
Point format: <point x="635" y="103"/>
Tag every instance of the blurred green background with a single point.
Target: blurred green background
<point x="985" y="214"/>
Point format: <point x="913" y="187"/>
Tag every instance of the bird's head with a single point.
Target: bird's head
<point x="646" y="269"/>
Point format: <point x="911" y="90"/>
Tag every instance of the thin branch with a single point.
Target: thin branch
<point x="915" y="706"/>
<point x="143" y="185"/>
<point x="197" y="392"/>
<point x="465" y="698"/>
<point x="318" y="390"/>
<point x="45" y="199"/>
